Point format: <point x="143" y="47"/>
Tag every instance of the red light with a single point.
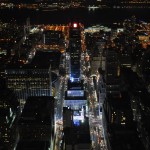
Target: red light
<point x="75" y="25"/>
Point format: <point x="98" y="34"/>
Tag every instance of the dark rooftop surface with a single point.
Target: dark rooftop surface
<point x="4" y="113"/>
<point x="41" y="60"/>
<point x="38" y="110"/>
<point x="121" y="103"/>
<point x="44" y="59"/>
<point x="78" y="134"/>
<point x="33" y="145"/>
<point x="8" y="98"/>
<point x="145" y="119"/>
<point x="3" y="84"/>
<point x="131" y="142"/>
<point x="136" y="86"/>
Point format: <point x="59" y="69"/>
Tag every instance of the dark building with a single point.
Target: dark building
<point x="76" y="133"/>
<point x="143" y="118"/>
<point x="145" y="65"/>
<point x="127" y="141"/>
<point x="112" y="72"/>
<point x="140" y="105"/>
<point x="67" y="117"/>
<point x="33" y="145"/>
<point x="119" y="124"/>
<point x="118" y="110"/>
<point x="9" y="107"/>
<point x="3" y="83"/>
<point x="36" y="122"/>
<point x="51" y="37"/>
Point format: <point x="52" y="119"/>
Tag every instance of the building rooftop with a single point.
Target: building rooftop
<point x="38" y="110"/>
<point x="3" y="83"/>
<point x="8" y="99"/>
<point x="33" y="145"/>
<point x="121" y="103"/>
<point x="145" y="119"/>
<point x="45" y="59"/>
<point x="127" y="142"/>
<point x="41" y="60"/>
<point x="136" y="85"/>
<point x="75" y="85"/>
<point x="78" y="134"/>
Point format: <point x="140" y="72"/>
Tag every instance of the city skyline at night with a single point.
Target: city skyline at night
<point x="74" y="75"/>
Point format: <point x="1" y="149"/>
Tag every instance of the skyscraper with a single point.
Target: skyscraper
<point x="33" y="79"/>
<point x="75" y="50"/>
<point x="36" y="122"/>
<point x="112" y="73"/>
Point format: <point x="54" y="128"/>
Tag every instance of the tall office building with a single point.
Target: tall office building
<point x="119" y="124"/>
<point x="35" y="79"/>
<point x="29" y="82"/>
<point x="140" y="104"/>
<point x="33" y="145"/>
<point x="75" y="96"/>
<point x="118" y="110"/>
<point x="75" y="50"/>
<point x="112" y="73"/>
<point x="76" y="126"/>
<point x="36" y="122"/>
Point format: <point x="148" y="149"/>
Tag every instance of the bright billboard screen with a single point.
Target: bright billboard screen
<point x="75" y="93"/>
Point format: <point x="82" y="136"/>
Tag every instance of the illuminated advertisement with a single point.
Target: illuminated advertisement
<point x="75" y="93"/>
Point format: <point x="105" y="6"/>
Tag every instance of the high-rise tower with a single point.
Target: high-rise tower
<point x="75" y="50"/>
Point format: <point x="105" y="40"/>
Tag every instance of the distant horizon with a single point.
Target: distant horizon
<point x="99" y="16"/>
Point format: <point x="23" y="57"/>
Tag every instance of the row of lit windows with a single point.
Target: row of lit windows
<point x="118" y="118"/>
<point x="19" y="71"/>
<point x="29" y="83"/>
<point x="28" y="78"/>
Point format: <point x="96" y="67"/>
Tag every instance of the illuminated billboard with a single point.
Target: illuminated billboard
<point x="75" y="93"/>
